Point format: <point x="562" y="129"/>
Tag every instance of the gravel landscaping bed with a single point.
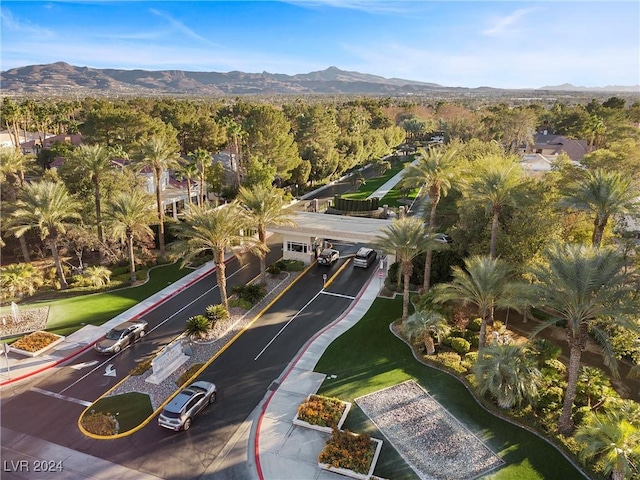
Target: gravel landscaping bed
<point x="29" y="320"/>
<point x="430" y="439"/>
<point x="201" y="351"/>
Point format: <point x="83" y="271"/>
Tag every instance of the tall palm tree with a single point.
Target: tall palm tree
<point x="188" y="172"/>
<point x="93" y="161"/>
<point x="218" y="230"/>
<point x="614" y="441"/>
<point x="603" y="194"/>
<point x="406" y="239"/>
<point x="47" y="207"/>
<point x="436" y="170"/>
<point x="426" y="324"/>
<point x="234" y="134"/>
<point x="495" y="184"/>
<point x="508" y="373"/>
<point x="266" y="206"/>
<point x="160" y="154"/>
<point x="580" y="285"/>
<point x="12" y="167"/>
<point x="202" y="159"/>
<point x="484" y="282"/>
<point x="129" y="216"/>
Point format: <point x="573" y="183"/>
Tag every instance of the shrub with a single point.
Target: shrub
<point x="198" y="325"/>
<point x="187" y="374"/>
<point x="251" y="293"/>
<point x="100" y="423"/>
<point x="474" y="325"/>
<point x="274" y="269"/>
<point x="555" y="366"/>
<point x="321" y="411"/>
<point x="469" y="360"/>
<point x="460" y="345"/>
<point x="35" y="341"/>
<point x="141" y="367"/>
<point x="289" y="265"/>
<point x="216" y="313"/>
<point x="450" y="360"/>
<point x="546" y="350"/>
<point x="240" y="303"/>
<point x="348" y="450"/>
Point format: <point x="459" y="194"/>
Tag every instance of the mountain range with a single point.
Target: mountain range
<point x="61" y="78"/>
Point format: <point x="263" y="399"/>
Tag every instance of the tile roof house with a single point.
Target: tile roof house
<point x="541" y="155"/>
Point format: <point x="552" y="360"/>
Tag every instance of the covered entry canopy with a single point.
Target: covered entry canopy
<point x="312" y="229"/>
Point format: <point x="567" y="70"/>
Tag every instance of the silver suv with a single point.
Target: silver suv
<point x="181" y="410"/>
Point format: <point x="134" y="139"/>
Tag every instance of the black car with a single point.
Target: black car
<point x="328" y="256"/>
<point x="119" y="337"/>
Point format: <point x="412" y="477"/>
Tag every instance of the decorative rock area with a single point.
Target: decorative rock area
<point x="28" y="320"/>
<point x="434" y="443"/>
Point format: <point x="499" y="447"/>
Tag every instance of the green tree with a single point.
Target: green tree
<point x="19" y="279"/>
<point x="613" y="441"/>
<point x="484" y="282"/>
<point x="160" y="154"/>
<point x="12" y="168"/>
<point x="406" y="239"/>
<point x="266" y="206"/>
<point x="129" y="217"/>
<point x="188" y="171"/>
<point x="435" y="169"/>
<point x="425" y="325"/>
<point x="93" y="161"/>
<point x="580" y="285"/>
<point x="495" y="182"/>
<point x="97" y="275"/>
<point x="48" y="208"/>
<point x="603" y="194"/>
<point x="508" y="373"/>
<point x="217" y="230"/>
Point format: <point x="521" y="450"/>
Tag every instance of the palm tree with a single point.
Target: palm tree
<point x="484" y="282"/>
<point x="234" y="133"/>
<point x="266" y="206"/>
<point x="93" y="161"/>
<point x="187" y="172"/>
<point x="216" y="229"/>
<point x="406" y="239"/>
<point x="12" y="166"/>
<point x="202" y="160"/>
<point x="495" y="183"/>
<point x="580" y="285"/>
<point x="426" y="325"/>
<point x="97" y="275"/>
<point x="603" y="194"/>
<point x="160" y="154"/>
<point x="435" y="169"/>
<point x="20" y="279"/>
<point x="46" y="207"/>
<point x="129" y="217"/>
<point x="614" y="441"/>
<point x="508" y="373"/>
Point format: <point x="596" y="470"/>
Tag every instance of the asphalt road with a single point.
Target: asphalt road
<point x="49" y="409"/>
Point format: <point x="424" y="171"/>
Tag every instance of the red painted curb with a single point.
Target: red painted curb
<point x="85" y="348"/>
<point x="256" y="448"/>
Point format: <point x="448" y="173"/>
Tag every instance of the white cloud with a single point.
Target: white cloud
<point x="508" y="24"/>
<point x="20" y="27"/>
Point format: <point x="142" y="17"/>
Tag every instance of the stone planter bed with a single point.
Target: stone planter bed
<point x="319" y="401"/>
<point x="36" y="343"/>
<point x="376" y="445"/>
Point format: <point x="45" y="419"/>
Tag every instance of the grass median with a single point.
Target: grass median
<point x="368" y="357"/>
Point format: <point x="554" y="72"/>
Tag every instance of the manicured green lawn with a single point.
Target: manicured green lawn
<point x="130" y="409"/>
<point x="368" y="357"/>
<point x="374" y="183"/>
<point x="67" y="315"/>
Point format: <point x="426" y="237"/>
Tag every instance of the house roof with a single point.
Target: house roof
<point x="575" y="149"/>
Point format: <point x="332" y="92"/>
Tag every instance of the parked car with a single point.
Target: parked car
<point x="365" y="257"/>
<point x="181" y="410"/>
<point x="442" y="238"/>
<point x="328" y="256"/>
<point x="119" y="337"/>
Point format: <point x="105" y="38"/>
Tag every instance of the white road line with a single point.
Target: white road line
<point x="287" y="324"/>
<point x="338" y="295"/>
<point x="161" y="323"/>
<point x="61" y="397"/>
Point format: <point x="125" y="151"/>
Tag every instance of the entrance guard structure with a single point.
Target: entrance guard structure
<point x="313" y="230"/>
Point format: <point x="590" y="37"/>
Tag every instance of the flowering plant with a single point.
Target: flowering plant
<point x="35" y="341"/>
<point x="321" y="411"/>
<point x="349" y="451"/>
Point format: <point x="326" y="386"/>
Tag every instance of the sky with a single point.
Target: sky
<point x="502" y="44"/>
